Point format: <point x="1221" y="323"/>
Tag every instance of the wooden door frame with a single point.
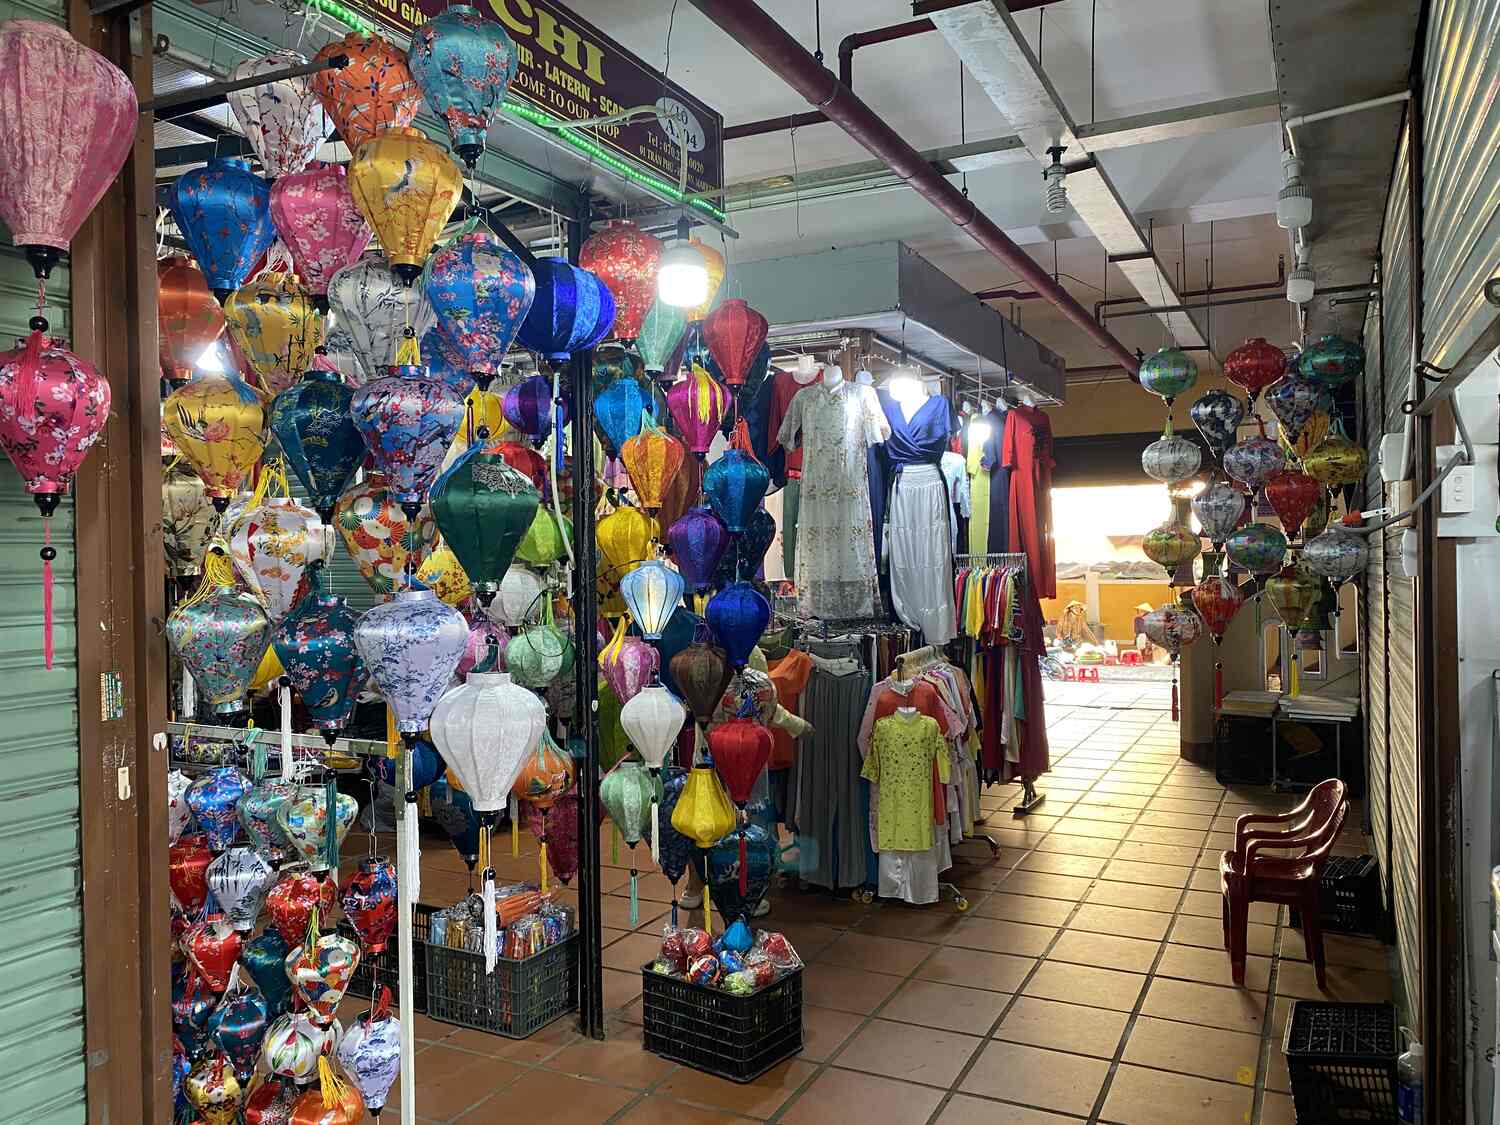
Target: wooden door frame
<point x="122" y="667"/>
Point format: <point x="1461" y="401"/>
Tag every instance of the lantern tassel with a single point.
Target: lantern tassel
<point x="544" y="864"/>
<point x="491" y="931"/>
<point x="655" y="834"/>
<point x="1292" y="647"/>
<point x="412" y="836"/>
<point x="189" y="696"/>
<point x="1218" y="684"/>
<point x="635" y="902"/>
<point x="614" y="845"/>
<point x="515" y="831"/>
<point x="409" y="353"/>
<point x="1174" y="693"/>
<point x="708" y="911"/>
<point x="330" y="822"/>
<point x="744" y="866"/>
<point x="47" y="555"/>
<point x="284" y="700"/>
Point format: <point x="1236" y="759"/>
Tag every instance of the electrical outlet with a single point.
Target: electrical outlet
<point x="1458" y="491"/>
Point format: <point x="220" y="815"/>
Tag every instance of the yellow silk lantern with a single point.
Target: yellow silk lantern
<point x="625" y="537"/>
<point x="713" y="261"/>
<point x="542" y="545"/>
<point x="704" y="813"/>
<point x="406" y="186"/>
<point x="269" y="672"/>
<point x="217" y="423"/>
<point x="1336" y="461"/>
<point x="652" y="459"/>
<point x="484" y="407"/>
<point x="1308" y="438"/>
<point x="441" y="573"/>
<point x="276" y="327"/>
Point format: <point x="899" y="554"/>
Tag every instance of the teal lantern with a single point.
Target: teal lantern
<point x="315" y="644"/>
<point x="1332" y="361"/>
<point x="464" y="64"/>
<point x="483" y="507"/>
<point x="618" y="409"/>
<point x="661" y="331"/>
<point x="736" y="483"/>
<point x="1168" y="372"/>
<point x="628" y="794"/>
<point x="315" y="429"/>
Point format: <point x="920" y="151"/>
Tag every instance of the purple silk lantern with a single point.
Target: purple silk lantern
<point x="315" y="215"/>
<point x="738" y="615"/>
<point x="408" y="421"/>
<point x="412" y="647"/>
<point x="736" y="483"/>
<point x="698" y="403"/>
<point x="698" y="541"/>
<point x="628" y="664"/>
<point x="481" y="292"/>
<point x="478" y="656"/>
<point x="528" y="406"/>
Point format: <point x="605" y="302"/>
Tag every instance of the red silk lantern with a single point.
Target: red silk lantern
<point x="187" y="872"/>
<point x="734" y="333"/>
<point x="1254" y="365"/>
<point x="291" y="901"/>
<point x="625" y="258"/>
<point x="189" y="316"/>
<point x="741" y="750"/>
<point x="1217" y="600"/>
<point x="652" y="458"/>
<point x="1292" y="494"/>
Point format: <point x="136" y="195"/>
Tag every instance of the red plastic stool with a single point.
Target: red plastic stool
<point x="1070" y="673"/>
<point x="1088" y="675"/>
<point x="1130" y="657"/>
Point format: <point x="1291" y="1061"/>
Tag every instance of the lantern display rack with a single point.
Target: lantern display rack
<point x="315" y="745"/>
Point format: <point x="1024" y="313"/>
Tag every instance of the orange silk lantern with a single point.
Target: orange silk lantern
<point x="652" y="459"/>
<point x="406" y="186"/>
<point x="375" y="91"/>
<point x="546" y="776"/>
<point x="713" y="261"/>
<point x="189" y="315"/>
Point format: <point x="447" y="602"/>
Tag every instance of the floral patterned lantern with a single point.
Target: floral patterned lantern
<point x="1217" y="600"/>
<point x="257" y="813"/>
<point x="312" y="423"/>
<point x="213" y="1089"/>
<point x="315" y="215"/>
<point x="734" y="333"/>
<point x="237" y="1026"/>
<point x="283" y="120"/>
<point x="294" y="1043"/>
<point x="407" y="187"/>
<point x="369" y="903"/>
<point x="480" y="291"/>
<point x="698" y="404"/>
<point x="572" y="310"/>
<point x="188" y="317"/>
<point x="1337" y="555"/>
<point x="1292" y="593"/>
<point x="1258" y="547"/>
<point x="375" y="93"/>
<point x="1219" y="508"/>
<point x="1331" y="360"/>
<point x="304" y="821"/>
<point x="315" y="644"/>
<point x="370" y="1053"/>
<point x="408" y="422"/>
<point x="1168" y="372"/>
<point x="1170" y="546"/>
<point x="187" y="872"/>
<point x="272" y="546"/>
<point x="221" y="637"/>
<point x="1218" y="415"/>
<point x="1252" y="461"/>
<point x="652" y="458"/>
<point x="624" y="257"/>
<point x="736" y="483"/>
<point x="1294" y="400"/>
<point x="381" y="538"/>
<point x="483" y="507"/>
<point x="1292" y="495"/>
<point x="224" y="213"/>
<point x="1173" y="627"/>
<point x="71" y="121"/>
<point x="1254" y="365"/>
<point x="464" y="64"/>
<point x="441" y="573"/>
<point x="276" y="329"/>
<point x="291" y="903"/>
<point x="412" y="645"/>
<point x="271" y="1102"/>
<point x="214" y="798"/>
<point x="661" y="330"/>
<point x="1171" y="457"/>
<point x="1336" y="461"/>
<point x="373" y="308"/>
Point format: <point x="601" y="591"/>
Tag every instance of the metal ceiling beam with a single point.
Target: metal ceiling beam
<point x="993" y="49"/>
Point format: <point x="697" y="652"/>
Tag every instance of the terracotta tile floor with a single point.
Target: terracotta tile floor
<point x="1085" y="983"/>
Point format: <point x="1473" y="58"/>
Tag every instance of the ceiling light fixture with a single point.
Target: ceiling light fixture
<point x="1301" y="283"/>
<point x="1294" y="206"/>
<point x="1054" y="176"/>
<point x="682" y="275"/>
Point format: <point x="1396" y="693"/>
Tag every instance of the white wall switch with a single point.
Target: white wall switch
<point x="1458" y="491"/>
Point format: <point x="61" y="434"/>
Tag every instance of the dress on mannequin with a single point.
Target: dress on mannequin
<point x="836" y="423"/>
<point x="918" y="535"/>
<point x="786" y="385"/>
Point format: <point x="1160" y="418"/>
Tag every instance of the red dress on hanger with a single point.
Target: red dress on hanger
<point x="1027" y="453"/>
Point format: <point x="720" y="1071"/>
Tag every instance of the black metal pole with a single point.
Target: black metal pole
<point x="586" y="680"/>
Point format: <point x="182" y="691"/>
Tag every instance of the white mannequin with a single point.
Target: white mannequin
<point x="833" y="377"/>
<point x="909" y="394"/>
<point x="806" y="370"/>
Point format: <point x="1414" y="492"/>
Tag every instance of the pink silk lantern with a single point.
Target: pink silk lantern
<point x="557" y="824"/>
<point x="628" y="664"/>
<point x="71" y="118"/>
<point x="315" y="215"/>
<point x="698" y="403"/>
<point x="53" y="408"/>
<point x="734" y="333"/>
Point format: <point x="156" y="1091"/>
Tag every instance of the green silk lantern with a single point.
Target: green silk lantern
<point x="543" y="545"/>
<point x="662" y="327"/>
<point x="484" y="508"/>
<point x="628" y="794"/>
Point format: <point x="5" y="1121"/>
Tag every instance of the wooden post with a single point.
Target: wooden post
<point x="122" y="670"/>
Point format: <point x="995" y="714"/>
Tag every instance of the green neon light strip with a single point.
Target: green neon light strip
<point x="581" y="142"/>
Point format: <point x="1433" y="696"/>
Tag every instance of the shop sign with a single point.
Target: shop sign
<point x="572" y="71"/>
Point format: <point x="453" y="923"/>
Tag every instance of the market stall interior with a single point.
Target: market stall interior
<point x="655" y="626"/>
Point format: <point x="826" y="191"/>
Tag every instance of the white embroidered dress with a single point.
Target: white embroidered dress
<point x="835" y="535"/>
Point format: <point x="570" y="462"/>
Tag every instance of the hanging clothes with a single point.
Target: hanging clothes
<point x="830" y="805"/>
<point x="956" y="477"/>
<point x="1027" y="455"/>
<point x="919" y="524"/>
<point x="903" y="750"/>
<point x="836" y="425"/>
<point x="979" y="495"/>
<point x="783" y="387"/>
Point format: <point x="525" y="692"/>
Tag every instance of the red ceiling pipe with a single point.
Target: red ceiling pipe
<point x="749" y="25"/>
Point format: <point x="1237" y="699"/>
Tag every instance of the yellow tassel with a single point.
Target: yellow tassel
<point x="1294" y="683"/>
<point x="544" y="867"/>
<point x="708" y="912"/>
<point x="515" y="833"/>
<point x="484" y="850"/>
<point x="408" y="354"/>
<point x="218" y="573"/>
<point x="331" y="1086"/>
<point x="392" y="737"/>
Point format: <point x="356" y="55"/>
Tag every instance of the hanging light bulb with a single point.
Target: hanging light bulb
<point x="1301" y="283"/>
<point x="1054" y="176"/>
<point x="1294" y="205"/>
<point x="682" y="275"/>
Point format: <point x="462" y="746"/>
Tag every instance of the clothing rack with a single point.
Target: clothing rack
<point x="1016" y="557"/>
<point x="833" y="626"/>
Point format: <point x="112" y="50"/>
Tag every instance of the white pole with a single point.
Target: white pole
<point x="406" y="863"/>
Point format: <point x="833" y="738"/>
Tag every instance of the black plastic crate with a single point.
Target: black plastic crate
<point x="1349" y="894"/>
<point x="362" y="982"/>
<point x="734" y="1037"/>
<point x="1342" y="1061"/>
<point x="1242" y="750"/>
<point x="518" y="998"/>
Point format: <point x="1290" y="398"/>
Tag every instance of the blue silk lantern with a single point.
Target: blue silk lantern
<point x="444" y="364"/>
<point x="736" y="483"/>
<point x="224" y="213"/>
<point x="651" y="592"/>
<point x="612" y="361"/>
<point x="192" y="1007"/>
<point x="674" y="850"/>
<point x="573" y="310"/>
<point x="698" y="541"/>
<point x="427" y="765"/>
<point x="265" y="960"/>
<point x="214" y="800"/>
<point x="317" y="435"/>
<point x="237" y="1027"/>
<point x="412" y="646"/>
<point x="180" y="1067"/>
<point x="408" y="421"/>
<point x="684" y="629"/>
<point x="751" y="545"/>
<point x="480" y="292"/>
<point x="739" y="870"/>
<point x="464" y="64"/>
<point x="453" y="809"/>
<point x="738" y="615"/>
<point x="618" y="409"/>
<point x="528" y="406"/>
<point x="315" y="644"/>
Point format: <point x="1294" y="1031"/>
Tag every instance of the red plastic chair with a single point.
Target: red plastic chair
<point x="1306" y="834"/>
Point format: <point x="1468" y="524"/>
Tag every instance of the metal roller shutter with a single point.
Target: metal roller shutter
<point x="1372" y="607"/>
